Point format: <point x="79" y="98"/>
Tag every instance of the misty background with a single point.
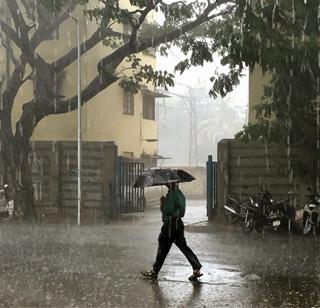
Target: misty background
<point x="190" y="122"/>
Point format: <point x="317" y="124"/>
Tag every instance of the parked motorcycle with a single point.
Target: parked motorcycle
<point x="249" y="211"/>
<point x="232" y="210"/>
<point x="259" y="210"/>
<point x="6" y="205"/>
<point x="285" y="213"/>
<point x="311" y="214"/>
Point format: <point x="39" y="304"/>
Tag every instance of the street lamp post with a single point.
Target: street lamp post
<point x="79" y="120"/>
<point x="77" y="20"/>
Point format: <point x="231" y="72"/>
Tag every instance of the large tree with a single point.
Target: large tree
<point x="28" y="23"/>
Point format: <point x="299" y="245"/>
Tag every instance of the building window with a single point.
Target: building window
<point x="148" y="107"/>
<point x="128" y="102"/>
<point x="36" y="163"/>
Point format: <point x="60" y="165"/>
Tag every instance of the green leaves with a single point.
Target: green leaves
<point x="112" y="42"/>
<point x="176" y="11"/>
<point x="182" y="66"/>
<point x="225" y="83"/>
<point x="144" y="74"/>
<point x="283" y="38"/>
<point x="110" y="11"/>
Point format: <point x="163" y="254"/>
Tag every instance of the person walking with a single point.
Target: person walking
<point x="172" y="231"/>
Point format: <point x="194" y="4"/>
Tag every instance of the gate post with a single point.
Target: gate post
<point x="119" y="189"/>
<point x="210" y="210"/>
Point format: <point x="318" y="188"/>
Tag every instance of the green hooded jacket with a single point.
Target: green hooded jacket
<point x="173" y="206"/>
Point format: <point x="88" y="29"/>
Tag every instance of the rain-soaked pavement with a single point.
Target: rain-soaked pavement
<point x="51" y="265"/>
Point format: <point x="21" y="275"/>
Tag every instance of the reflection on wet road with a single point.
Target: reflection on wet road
<point x="99" y="266"/>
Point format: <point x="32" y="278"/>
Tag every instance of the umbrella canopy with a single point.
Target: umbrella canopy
<point x="154" y="177"/>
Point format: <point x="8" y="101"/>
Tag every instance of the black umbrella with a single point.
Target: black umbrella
<point x="154" y="177"/>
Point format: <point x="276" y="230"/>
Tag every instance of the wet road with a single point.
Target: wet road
<point x="99" y="266"/>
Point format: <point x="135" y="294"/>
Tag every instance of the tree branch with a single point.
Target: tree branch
<point x="99" y="35"/>
<point x="33" y="113"/>
<point x="23" y="30"/>
<point x="29" y="7"/>
<point x="130" y="47"/>
<point x="19" y="22"/>
<point x="101" y="82"/>
<point x="171" y="36"/>
<point x="13" y="35"/>
<point x="95" y="87"/>
<point x="13" y="86"/>
<point x="27" y="78"/>
<point x="7" y="46"/>
<point x="44" y="32"/>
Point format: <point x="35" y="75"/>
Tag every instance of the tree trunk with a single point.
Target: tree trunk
<point x="24" y="175"/>
<point x="19" y="178"/>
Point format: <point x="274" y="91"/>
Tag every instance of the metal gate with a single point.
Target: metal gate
<point x="130" y="200"/>
<point x="212" y="199"/>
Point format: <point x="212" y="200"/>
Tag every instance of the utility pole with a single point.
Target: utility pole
<point x="79" y="149"/>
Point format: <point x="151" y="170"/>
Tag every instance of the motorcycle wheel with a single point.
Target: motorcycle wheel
<point x="314" y="231"/>
<point x="230" y="218"/>
<point x="248" y="225"/>
<point x="307" y="227"/>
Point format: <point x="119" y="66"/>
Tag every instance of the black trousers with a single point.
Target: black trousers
<point x="173" y="232"/>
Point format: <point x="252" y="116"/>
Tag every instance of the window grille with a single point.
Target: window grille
<point x="148" y="107"/>
<point x="128" y="102"/>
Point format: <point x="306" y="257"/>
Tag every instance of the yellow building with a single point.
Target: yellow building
<point x="112" y="115"/>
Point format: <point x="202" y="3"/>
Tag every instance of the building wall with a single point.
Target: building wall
<point x="55" y="179"/>
<point x="245" y="167"/>
<point x="102" y="117"/>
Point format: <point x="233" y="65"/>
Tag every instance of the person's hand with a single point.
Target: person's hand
<point x="162" y="203"/>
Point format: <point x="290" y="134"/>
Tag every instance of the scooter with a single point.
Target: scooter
<point x="311" y="214"/>
<point x="6" y="206"/>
